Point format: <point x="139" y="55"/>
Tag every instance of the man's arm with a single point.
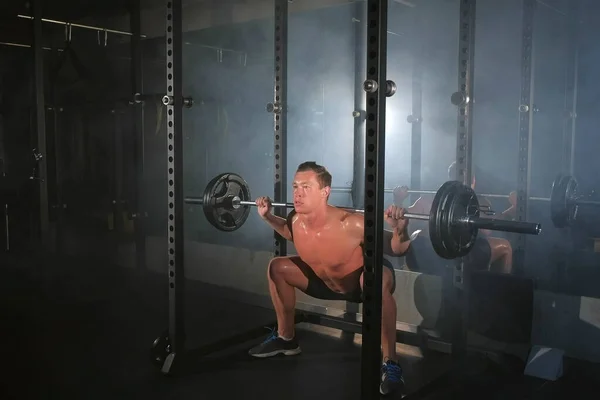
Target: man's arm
<point x="279" y="225"/>
<point x="396" y="242"/>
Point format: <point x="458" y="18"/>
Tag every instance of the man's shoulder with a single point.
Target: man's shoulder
<point x="352" y="221"/>
<point x="344" y="214"/>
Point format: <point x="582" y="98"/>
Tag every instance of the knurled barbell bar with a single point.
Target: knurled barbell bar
<point x="493" y="196"/>
<point x="454" y="219"/>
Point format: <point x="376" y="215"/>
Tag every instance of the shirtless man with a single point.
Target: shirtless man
<point x="329" y="264"/>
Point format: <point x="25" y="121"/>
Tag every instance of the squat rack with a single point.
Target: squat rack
<point x="374" y="151"/>
<point x="376" y="60"/>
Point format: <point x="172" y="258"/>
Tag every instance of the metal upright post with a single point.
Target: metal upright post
<point x="375" y="86"/>
<point x="572" y="78"/>
<point x="525" y="125"/>
<point x="40" y="123"/>
<point x="280" y="115"/>
<point x="175" y="231"/>
<point x="464" y="155"/>
<point x="360" y="63"/>
<point x="138" y="132"/>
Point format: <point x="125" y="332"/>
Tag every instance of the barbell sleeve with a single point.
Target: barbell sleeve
<point x="529" y="228"/>
<point x="194" y="200"/>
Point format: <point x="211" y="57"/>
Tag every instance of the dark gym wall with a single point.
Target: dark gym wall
<point x="154" y="199"/>
<point x="439" y="40"/>
<point x="551" y="65"/>
<point x="85" y="122"/>
<point x="587" y="162"/>
<point x="403" y="30"/>
<point x="228" y="71"/>
<point x="17" y="159"/>
<point x="496" y="97"/>
<point x="228" y="129"/>
<point x="321" y="80"/>
<point x="497" y="90"/>
<point x="81" y="84"/>
<point x="495" y="142"/>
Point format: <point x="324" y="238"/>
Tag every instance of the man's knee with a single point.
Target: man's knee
<point x="502" y="246"/>
<point x="506" y="246"/>
<point x="277" y="267"/>
<point x="283" y="269"/>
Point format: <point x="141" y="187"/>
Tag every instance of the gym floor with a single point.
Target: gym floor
<point x="78" y="329"/>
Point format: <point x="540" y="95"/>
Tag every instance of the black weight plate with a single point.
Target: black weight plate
<point x="562" y="205"/>
<point x="434" y="235"/>
<point x="451" y="236"/>
<point x="221" y="187"/>
<point x="461" y="234"/>
<point x="436" y="219"/>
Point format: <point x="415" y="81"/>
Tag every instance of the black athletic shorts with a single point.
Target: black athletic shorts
<point x="318" y="289"/>
<point x="422" y="257"/>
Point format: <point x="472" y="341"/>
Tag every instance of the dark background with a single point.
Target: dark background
<point x="228" y="70"/>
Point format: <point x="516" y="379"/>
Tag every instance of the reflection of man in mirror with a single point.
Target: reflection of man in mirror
<point x="501" y="250"/>
<point x="487" y="251"/>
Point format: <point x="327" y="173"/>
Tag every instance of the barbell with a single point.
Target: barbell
<point x="454" y="219"/>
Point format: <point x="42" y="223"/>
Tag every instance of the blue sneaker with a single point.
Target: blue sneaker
<point x="274" y="345"/>
<point x="391" y="378"/>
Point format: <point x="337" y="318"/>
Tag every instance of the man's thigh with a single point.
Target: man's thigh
<point x="318" y="289"/>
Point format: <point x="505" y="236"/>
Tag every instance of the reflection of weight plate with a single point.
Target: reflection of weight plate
<point x="161" y="348"/>
<point x="218" y="210"/>
<point x="450" y="233"/>
<point x="562" y="199"/>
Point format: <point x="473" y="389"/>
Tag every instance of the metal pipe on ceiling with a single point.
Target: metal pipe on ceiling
<point x="23" y="45"/>
<point x="76" y="25"/>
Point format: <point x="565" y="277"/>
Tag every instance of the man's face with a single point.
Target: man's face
<point x="308" y="195"/>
